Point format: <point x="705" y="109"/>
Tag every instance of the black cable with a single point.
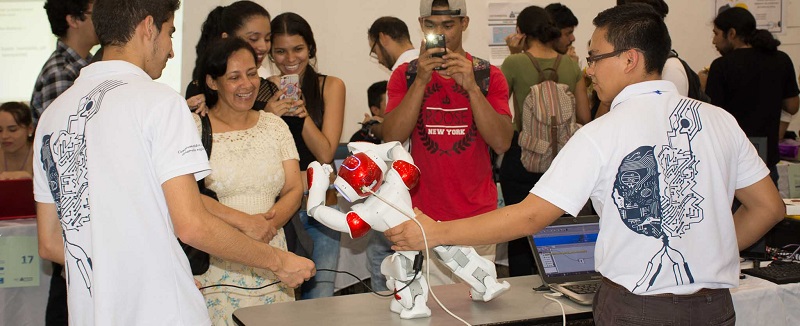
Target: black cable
<point x="417" y="268"/>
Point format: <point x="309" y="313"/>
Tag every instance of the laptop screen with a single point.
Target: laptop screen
<point x="567" y="250"/>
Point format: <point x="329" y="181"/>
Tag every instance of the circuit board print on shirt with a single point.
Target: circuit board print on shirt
<point x="655" y="195"/>
<point x="64" y="161"/>
<point x="445" y="131"/>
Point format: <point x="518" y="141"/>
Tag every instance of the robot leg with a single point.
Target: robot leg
<point x="412" y="301"/>
<point x="477" y="271"/>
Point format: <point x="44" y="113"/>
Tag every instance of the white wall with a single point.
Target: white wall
<point x="340" y="29"/>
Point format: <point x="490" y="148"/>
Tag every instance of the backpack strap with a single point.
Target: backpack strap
<point x="206" y="136"/>
<point x="482" y="70"/>
<point x="480" y="67"/>
<point x="539" y="68"/>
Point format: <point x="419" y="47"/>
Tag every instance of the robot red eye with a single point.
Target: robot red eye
<point x="360" y="170"/>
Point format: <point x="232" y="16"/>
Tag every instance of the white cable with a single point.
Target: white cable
<point x="427" y="253"/>
<point x="552" y="297"/>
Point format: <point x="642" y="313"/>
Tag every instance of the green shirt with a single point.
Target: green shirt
<point x="521" y="75"/>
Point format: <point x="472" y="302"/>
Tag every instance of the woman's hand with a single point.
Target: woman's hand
<point x="287" y="106"/>
<point x="197" y="104"/>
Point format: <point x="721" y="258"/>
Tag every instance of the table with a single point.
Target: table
<point x="757" y="302"/>
<point x="24" y="305"/>
<point x="521" y="303"/>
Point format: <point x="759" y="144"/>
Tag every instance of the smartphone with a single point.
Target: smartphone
<point x="291" y="84"/>
<point x="435" y="41"/>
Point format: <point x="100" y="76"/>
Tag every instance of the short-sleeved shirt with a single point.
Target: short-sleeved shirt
<point x="455" y="169"/>
<point x="661" y="170"/>
<point x="751" y="84"/>
<point x="101" y="154"/>
<point x="521" y="75"/>
<point x="58" y="74"/>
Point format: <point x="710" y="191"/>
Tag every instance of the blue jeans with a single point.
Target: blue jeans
<point x="325" y="256"/>
<point x="378" y="248"/>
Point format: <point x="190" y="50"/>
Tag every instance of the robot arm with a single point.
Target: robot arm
<point x="318" y="182"/>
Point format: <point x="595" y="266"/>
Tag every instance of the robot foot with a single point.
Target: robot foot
<point x="493" y="290"/>
<point x="420" y="310"/>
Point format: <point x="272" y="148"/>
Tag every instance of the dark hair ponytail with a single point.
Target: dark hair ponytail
<point x="224" y="20"/>
<point x="743" y="22"/>
<point x="763" y="39"/>
<point x="536" y="23"/>
<point x="290" y="23"/>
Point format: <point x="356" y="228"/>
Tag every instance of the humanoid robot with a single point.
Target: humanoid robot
<point x="365" y="174"/>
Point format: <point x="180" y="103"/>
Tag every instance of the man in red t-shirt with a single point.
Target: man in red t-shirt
<point x="450" y="122"/>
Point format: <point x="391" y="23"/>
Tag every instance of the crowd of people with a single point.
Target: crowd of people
<point x="96" y="125"/>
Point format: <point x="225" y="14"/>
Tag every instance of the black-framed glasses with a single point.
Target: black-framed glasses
<point x="592" y="59"/>
<point x="372" y="53"/>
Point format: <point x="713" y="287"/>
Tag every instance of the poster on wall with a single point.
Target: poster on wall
<point x="769" y="14"/>
<point x="502" y="22"/>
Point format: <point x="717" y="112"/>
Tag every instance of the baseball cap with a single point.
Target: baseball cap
<point x="457" y="8"/>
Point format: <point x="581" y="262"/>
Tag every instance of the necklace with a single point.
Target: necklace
<point x="5" y="160"/>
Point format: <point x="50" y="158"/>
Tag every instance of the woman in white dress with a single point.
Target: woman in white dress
<point x="255" y="169"/>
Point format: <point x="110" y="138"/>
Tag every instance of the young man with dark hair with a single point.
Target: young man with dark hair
<point x="115" y="184"/>
<point x="661" y="170"/>
<point x="376" y="99"/>
<point x="453" y="116"/>
<point x="71" y="22"/>
<point x="752" y="80"/>
<point x="566" y="21"/>
<point x="390" y="42"/>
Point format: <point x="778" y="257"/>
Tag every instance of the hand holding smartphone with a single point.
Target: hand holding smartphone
<point x="436" y="41"/>
<point x="291" y="85"/>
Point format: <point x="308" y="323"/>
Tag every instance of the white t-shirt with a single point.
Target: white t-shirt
<point x="108" y="144"/>
<point x="660" y="169"/>
<point x="674" y="72"/>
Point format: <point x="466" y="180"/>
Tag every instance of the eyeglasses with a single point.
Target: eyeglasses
<point x="372" y="53"/>
<point x="592" y="59"/>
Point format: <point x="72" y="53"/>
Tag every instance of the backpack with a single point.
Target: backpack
<point x="481" y="69"/>
<point x="548" y="119"/>
<point x="695" y="91"/>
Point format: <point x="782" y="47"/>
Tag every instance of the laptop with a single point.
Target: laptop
<point x="564" y="255"/>
<point x="16" y="199"/>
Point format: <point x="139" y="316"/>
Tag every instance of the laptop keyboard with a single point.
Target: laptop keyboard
<point x="777" y="273"/>
<point x="585" y="288"/>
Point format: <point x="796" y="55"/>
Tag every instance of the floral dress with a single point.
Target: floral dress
<point x="247" y="175"/>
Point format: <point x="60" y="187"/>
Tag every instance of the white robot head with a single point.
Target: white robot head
<point x="359" y="172"/>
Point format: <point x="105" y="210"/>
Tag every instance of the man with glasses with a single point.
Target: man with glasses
<point x="661" y="169"/>
<point x="390" y="43"/>
<point x="390" y="46"/>
<point x="452" y="123"/>
<point x="71" y="23"/>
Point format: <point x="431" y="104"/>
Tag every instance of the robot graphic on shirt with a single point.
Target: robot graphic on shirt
<point x="663" y="209"/>
<point x="63" y="159"/>
<point x="365" y="174"/>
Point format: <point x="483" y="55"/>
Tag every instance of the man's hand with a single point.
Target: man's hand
<point x="408" y="236"/>
<point x="293" y="270"/>
<point x="259" y="227"/>
<point x="515" y="42"/>
<point x="427" y="62"/>
<point x="459" y="68"/>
